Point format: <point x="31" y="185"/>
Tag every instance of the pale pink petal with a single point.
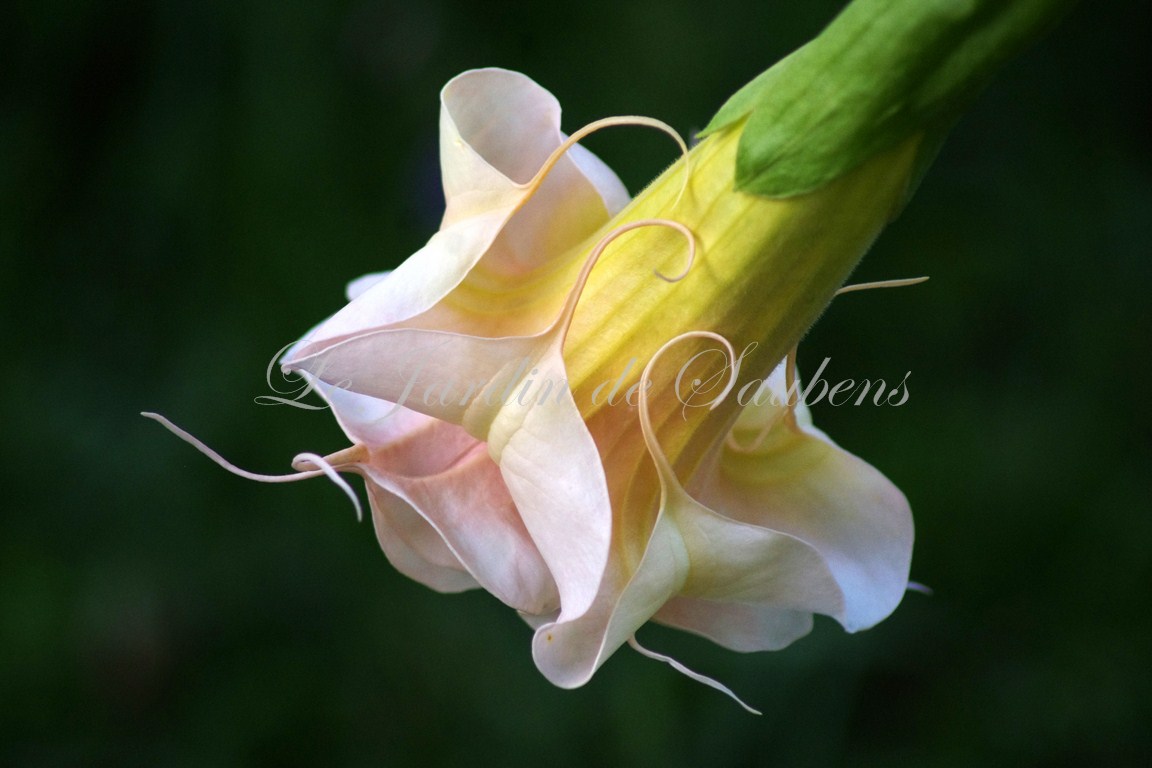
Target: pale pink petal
<point x="846" y="510"/>
<point x="497" y="130"/>
<point x="569" y="650"/>
<point x="693" y="552"/>
<point x="361" y="284"/>
<point x="413" y="547"/>
<point x="740" y="563"/>
<point x="743" y="627"/>
<point x="800" y="483"/>
<point x="368" y="420"/>
<point x="497" y="127"/>
<point x="607" y="183"/>
<point x="443" y="475"/>
<point x="425" y="278"/>
<point x="552" y="468"/>
<point x="449" y="477"/>
<point x="454" y="377"/>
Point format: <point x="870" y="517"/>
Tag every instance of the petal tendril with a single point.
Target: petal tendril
<point x="324" y="467"/>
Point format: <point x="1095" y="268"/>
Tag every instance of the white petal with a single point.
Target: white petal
<point x="413" y="547"/>
<point x="497" y="127"/>
<point x="570" y="650"/>
<point x="693" y="551"/>
<point x="423" y="279"/>
<point x="741" y="563"/>
<point x="612" y="190"/>
<point x="449" y="478"/>
<point x="743" y="627"/>
<point x="799" y="483"/>
<point x="451" y="376"/>
<point x="552" y="469"/>
<point x="363" y="283"/>
<point x="497" y="130"/>
<point x="445" y="476"/>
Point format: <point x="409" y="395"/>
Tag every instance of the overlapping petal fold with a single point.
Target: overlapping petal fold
<point x="505" y="221"/>
<point x="798" y="482"/>
<point x="743" y="561"/>
<point x="549" y="468"/>
<point x="463" y="360"/>
<point x="483" y="470"/>
<point x="442" y="512"/>
<point x="486" y="467"/>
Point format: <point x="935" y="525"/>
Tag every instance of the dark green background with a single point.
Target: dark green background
<point x="186" y="186"/>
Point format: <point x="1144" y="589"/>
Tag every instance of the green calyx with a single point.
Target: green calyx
<point x="882" y="71"/>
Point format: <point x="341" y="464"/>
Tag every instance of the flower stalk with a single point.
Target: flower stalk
<point x="882" y="71"/>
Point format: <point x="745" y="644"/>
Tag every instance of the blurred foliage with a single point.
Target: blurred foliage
<point x="185" y="187"/>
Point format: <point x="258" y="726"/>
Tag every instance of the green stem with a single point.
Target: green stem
<point x="881" y="71"/>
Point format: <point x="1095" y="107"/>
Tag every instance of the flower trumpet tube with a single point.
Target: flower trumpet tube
<point x="474" y="379"/>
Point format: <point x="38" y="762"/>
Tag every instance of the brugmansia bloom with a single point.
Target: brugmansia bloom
<point x="587" y="406"/>
<point x="546" y="400"/>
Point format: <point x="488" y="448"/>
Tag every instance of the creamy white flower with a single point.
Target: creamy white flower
<point x="589" y="517"/>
